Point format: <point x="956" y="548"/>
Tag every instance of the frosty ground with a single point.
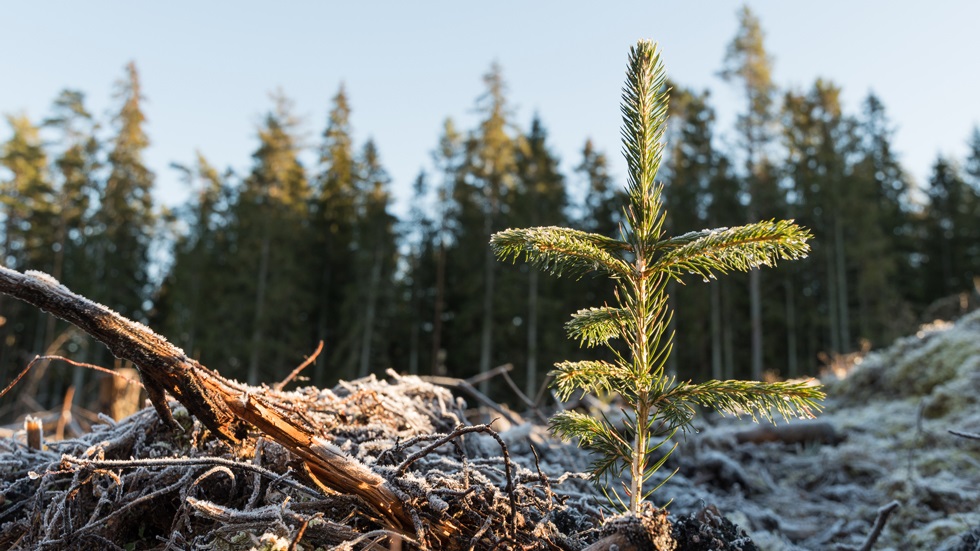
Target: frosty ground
<point x="884" y="437"/>
<point x="891" y="416"/>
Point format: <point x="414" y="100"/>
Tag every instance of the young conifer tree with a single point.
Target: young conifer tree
<point x="640" y="264"/>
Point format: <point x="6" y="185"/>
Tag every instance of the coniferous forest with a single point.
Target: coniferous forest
<point x="261" y="265"/>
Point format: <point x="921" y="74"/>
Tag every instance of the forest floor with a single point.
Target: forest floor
<point x="884" y="437"/>
<point x="881" y="446"/>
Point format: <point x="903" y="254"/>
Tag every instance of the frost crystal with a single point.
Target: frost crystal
<point x="48" y="279"/>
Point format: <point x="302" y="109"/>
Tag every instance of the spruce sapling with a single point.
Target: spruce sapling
<point x="640" y="264"/>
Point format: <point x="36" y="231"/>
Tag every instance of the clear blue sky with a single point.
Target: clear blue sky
<point x="208" y="67"/>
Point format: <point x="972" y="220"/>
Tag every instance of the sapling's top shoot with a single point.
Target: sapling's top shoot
<point x="640" y="264"/>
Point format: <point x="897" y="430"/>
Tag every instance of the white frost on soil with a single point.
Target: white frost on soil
<point x="894" y="411"/>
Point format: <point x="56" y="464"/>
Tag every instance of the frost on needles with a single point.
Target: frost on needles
<point x="640" y="264"/>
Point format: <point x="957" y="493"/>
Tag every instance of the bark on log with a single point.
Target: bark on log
<point x="800" y="432"/>
<point x="118" y="397"/>
<point x="225" y="407"/>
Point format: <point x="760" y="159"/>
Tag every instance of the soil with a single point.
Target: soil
<point x="899" y="435"/>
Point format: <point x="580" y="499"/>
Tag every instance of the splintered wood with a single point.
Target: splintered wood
<point x="369" y="462"/>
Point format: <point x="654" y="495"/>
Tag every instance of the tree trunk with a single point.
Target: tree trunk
<point x="486" y="335"/>
<point x="792" y="362"/>
<point x="814" y="347"/>
<point x="755" y="300"/>
<point x="947" y="285"/>
<point x="322" y="329"/>
<point x="842" y="308"/>
<point x="532" y="334"/>
<point x="717" y="370"/>
<point x="438" y="366"/>
<point x="728" y="332"/>
<point x="416" y="315"/>
<point x="367" y="335"/>
<point x="832" y="302"/>
<point x="253" y="363"/>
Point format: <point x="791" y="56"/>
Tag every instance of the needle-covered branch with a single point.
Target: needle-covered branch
<point x="595" y="326"/>
<point x="561" y="251"/>
<point x="741" y="249"/>
<point x="738" y="398"/>
<point x="612" y="449"/>
<point x="595" y="376"/>
<point x="681" y="240"/>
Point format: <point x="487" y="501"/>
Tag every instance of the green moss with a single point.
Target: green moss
<point x="936" y="531"/>
<point x="936" y="363"/>
<point x="945" y="462"/>
<point x="948" y="399"/>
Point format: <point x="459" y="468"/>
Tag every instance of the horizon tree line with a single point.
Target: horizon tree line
<point x="265" y="263"/>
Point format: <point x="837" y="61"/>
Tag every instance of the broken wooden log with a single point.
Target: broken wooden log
<point x="225" y="407"/>
<point x="800" y="432"/>
<point x="117" y="396"/>
<point x="163" y="367"/>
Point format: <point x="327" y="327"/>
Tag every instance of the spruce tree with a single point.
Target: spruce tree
<point x="640" y="264"/>
<point x="972" y="167"/>
<point x="833" y="197"/>
<point x="748" y="62"/>
<point x="689" y="165"/>
<point x="374" y="256"/>
<point x="447" y="158"/>
<point x="76" y="165"/>
<point x="540" y="199"/>
<point x="893" y="185"/>
<point x="28" y="199"/>
<point x="271" y="240"/>
<point x="77" y="161"/>
<point x="884" y="243"/>
<point x="188" y="297"/>
<point x="972" y="210"/>
<point x="491" y="166"/>
<point x="29" y="212"/>
<point x="599" y="215"/>
<point x="333" y="221"/>
<point x="849" y="189"/>
<point x="126" y="216"/>
<point x="949" y="223"/>
<point x="419" y="237"/>
<point x="723" y="210"/>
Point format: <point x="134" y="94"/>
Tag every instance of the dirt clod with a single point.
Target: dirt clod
<point x="708" y="530"/>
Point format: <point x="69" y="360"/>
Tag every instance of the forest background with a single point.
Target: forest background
<point x="307" y="243"/>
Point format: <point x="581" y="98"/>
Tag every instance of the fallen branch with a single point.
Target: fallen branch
<point x="880" y="520"/>
<point x="71" y="462"/>
<point x="163" y="367"/>
<point x="467" y="387"/>
<point x="800" y="432"/>
<point x="967" y="435"/>
<point x="459" y="431"/>
<point x="224" y="407"/>
<point x="292" y="375"/>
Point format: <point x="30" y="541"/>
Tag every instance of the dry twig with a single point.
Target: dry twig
<point x="880" y="521"/>
<point x="306" y="363"/>
<point x="967" y="435"/>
